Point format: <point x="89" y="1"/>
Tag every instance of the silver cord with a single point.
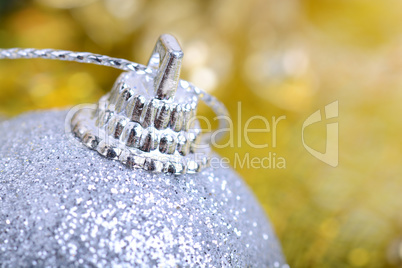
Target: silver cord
<point x="83" y="57"/>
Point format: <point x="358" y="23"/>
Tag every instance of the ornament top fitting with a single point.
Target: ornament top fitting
<point x="148" y="120"/>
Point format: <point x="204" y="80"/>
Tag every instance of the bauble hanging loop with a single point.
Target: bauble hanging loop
<point x="166" y="58"/>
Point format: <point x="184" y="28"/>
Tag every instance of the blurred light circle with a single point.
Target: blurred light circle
<point x="123" y="8"/>
<point x="204" y="78"/>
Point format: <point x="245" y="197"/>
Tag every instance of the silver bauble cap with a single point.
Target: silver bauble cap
<point x="148" y="119"/>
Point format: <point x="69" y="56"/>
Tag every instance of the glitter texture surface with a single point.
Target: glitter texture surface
<point x="65" y="205"/>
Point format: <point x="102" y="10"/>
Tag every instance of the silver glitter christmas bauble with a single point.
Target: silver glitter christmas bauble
<point x="143" y="196"/>
<point x="64" y="205"/>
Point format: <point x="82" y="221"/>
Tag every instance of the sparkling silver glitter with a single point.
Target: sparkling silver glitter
<point x="63" y="205"/>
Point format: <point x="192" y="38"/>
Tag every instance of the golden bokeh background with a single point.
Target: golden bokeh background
<point x="277" y="58"/>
